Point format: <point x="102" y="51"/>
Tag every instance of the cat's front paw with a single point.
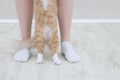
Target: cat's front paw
<point x="40" y="58"/>
<point x="56" y="59"/>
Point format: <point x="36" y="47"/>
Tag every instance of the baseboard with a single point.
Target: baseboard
<point x="74" y="21"/>
<point x="96" y="21"/>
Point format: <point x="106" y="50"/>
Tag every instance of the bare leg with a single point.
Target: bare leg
<point x="25" y="14"/>
<point x="65" y="8"/>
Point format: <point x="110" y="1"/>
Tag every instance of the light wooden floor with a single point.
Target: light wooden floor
<point x="97" y="44"/>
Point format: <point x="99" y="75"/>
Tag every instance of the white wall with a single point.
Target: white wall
<point x="97" y="9"/>
<point x="83" y="9"/>
<point x="7" y="9"/>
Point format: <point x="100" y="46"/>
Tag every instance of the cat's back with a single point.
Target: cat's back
<point x="46" y="10"/>
<point x="45" y="4"/>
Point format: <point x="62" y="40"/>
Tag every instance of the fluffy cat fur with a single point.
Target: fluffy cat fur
<point x="46" y="32"/>
<point x="46" y="27"/>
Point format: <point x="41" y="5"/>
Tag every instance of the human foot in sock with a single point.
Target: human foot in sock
<point x="69" y="53"/>
<point x="22" y="55"/>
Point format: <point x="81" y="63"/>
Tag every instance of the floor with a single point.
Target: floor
<point x="97" y="44"/>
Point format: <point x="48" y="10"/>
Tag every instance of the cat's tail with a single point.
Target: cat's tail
<point x="16" y="45"/>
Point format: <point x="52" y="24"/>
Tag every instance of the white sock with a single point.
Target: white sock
<point x="22" y="55"/>
<point x="69" y="52"/>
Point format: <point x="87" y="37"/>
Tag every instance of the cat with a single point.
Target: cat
<point x="46" y="31"/>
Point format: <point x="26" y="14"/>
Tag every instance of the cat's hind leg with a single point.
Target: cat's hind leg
<point x="39" y="40"/>
<point x="54" y="42"/>
<point x="53" y="45"/>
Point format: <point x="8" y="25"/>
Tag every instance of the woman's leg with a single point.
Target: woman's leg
<point x="65" y="9"/>
<point x="25" y="14"/>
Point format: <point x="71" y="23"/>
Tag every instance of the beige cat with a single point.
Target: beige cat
<point x="45" y="12"/>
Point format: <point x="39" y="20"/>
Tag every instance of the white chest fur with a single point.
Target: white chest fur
<point x="47" y="33"/>
<point x="45" y="4"/>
